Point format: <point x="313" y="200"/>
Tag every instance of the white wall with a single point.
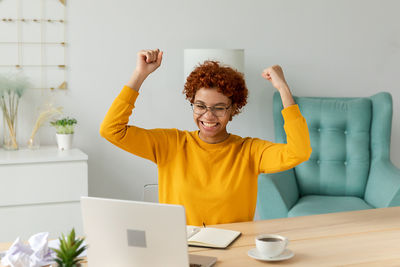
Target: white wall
<point x="327" y="48"/>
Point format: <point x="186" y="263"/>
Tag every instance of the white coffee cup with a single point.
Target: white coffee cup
<point x="270" y="245"/>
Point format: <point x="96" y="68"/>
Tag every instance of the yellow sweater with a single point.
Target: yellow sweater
<point x="216" y="183"/>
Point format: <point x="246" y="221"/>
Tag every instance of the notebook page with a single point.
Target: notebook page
<point x="191" y="230"/>
<point x="213" y="237"/>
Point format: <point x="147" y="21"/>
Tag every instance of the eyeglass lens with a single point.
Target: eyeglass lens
<point x="218" y="111"/>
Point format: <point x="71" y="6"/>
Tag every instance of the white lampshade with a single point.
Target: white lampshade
<point x="234" y="58"/>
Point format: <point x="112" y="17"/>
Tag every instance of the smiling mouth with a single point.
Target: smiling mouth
<point x="209" y="125"/>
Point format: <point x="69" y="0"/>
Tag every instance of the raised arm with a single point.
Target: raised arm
<point x="275" y="75"/>
<point x="280" y="157"/>
<point x="147" y="61"/>
<point x="149" y="144"/>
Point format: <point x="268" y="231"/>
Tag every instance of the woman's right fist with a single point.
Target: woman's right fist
<point x="148" y="61"/>
<point x="275" y="75"/>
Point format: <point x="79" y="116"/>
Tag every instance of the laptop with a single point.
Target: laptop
<point x="132" y="233"/>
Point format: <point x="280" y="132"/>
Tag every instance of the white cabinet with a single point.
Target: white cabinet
<point x="40" y="191"/>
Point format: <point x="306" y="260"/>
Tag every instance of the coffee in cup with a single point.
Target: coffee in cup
<point x="270" y="245"/>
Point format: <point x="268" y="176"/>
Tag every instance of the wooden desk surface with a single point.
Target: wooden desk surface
<point x="359" y="238"/>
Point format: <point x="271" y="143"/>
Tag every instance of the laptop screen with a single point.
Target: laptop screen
<point x="133" y="233"/>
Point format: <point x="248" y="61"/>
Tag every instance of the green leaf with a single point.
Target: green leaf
<point x="71" y="237"/>
<point x="65" y="125"/>
<point x="70" y="249"/>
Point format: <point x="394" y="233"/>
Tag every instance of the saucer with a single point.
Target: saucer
<point x="287" y="254"/>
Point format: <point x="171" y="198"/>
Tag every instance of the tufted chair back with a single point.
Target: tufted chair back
<point x="340" y="138"/>
<point x="349" y="168"/>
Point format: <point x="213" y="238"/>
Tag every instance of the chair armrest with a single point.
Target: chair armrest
<point x="383" y="187"/>
<point x="277" y="193"/>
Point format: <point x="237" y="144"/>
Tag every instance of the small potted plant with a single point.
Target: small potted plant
<point x="65" y="132"/>
<point x="67" y="255"/>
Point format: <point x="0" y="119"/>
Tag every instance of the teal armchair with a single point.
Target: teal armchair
<point x="349" y="168"/>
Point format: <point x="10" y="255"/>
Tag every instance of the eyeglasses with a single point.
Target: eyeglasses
<point x="217" y="110"/>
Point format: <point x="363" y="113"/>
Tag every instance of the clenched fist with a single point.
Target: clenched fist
<point x="274" y="74"/>
<point x="148" y="61"/>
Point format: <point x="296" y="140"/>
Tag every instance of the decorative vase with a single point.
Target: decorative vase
<point x="34" y="142"/>
<point x="10" y="133"/>
<point x="64" y="141"/>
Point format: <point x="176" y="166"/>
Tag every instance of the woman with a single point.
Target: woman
<point x="211" y="172"/>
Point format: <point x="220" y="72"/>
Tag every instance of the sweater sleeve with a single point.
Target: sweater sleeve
<point x="274" y="157"/>
<point x="154" y="144"/>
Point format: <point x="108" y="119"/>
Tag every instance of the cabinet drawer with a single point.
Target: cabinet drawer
<point x="27" y="184"/>
<point x="24" y="221"/>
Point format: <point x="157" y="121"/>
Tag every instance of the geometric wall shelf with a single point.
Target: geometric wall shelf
<point x="33" y="39"/>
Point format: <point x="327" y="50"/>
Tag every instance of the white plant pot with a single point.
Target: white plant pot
<point x="64" y="141"/>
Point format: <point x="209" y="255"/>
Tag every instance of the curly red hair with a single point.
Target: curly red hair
<point x="228" y="81"/>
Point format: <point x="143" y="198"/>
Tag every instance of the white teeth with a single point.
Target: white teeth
<point x="209" y="124"/>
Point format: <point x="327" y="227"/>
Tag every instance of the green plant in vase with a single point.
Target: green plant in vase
<point x="65" y="130"/>
<point x="65" y="125"/>
<point x="70" y="248"/>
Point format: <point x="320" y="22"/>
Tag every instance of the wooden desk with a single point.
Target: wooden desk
<point x="359" y="238"/>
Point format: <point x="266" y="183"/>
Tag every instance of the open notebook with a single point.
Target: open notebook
<point x="210" y="237"/>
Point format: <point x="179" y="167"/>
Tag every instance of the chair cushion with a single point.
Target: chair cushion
<point x="340" y="139"/>
<point x="315" y="204"/>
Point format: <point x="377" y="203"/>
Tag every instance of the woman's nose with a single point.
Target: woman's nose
<point x="209" y="113"/>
